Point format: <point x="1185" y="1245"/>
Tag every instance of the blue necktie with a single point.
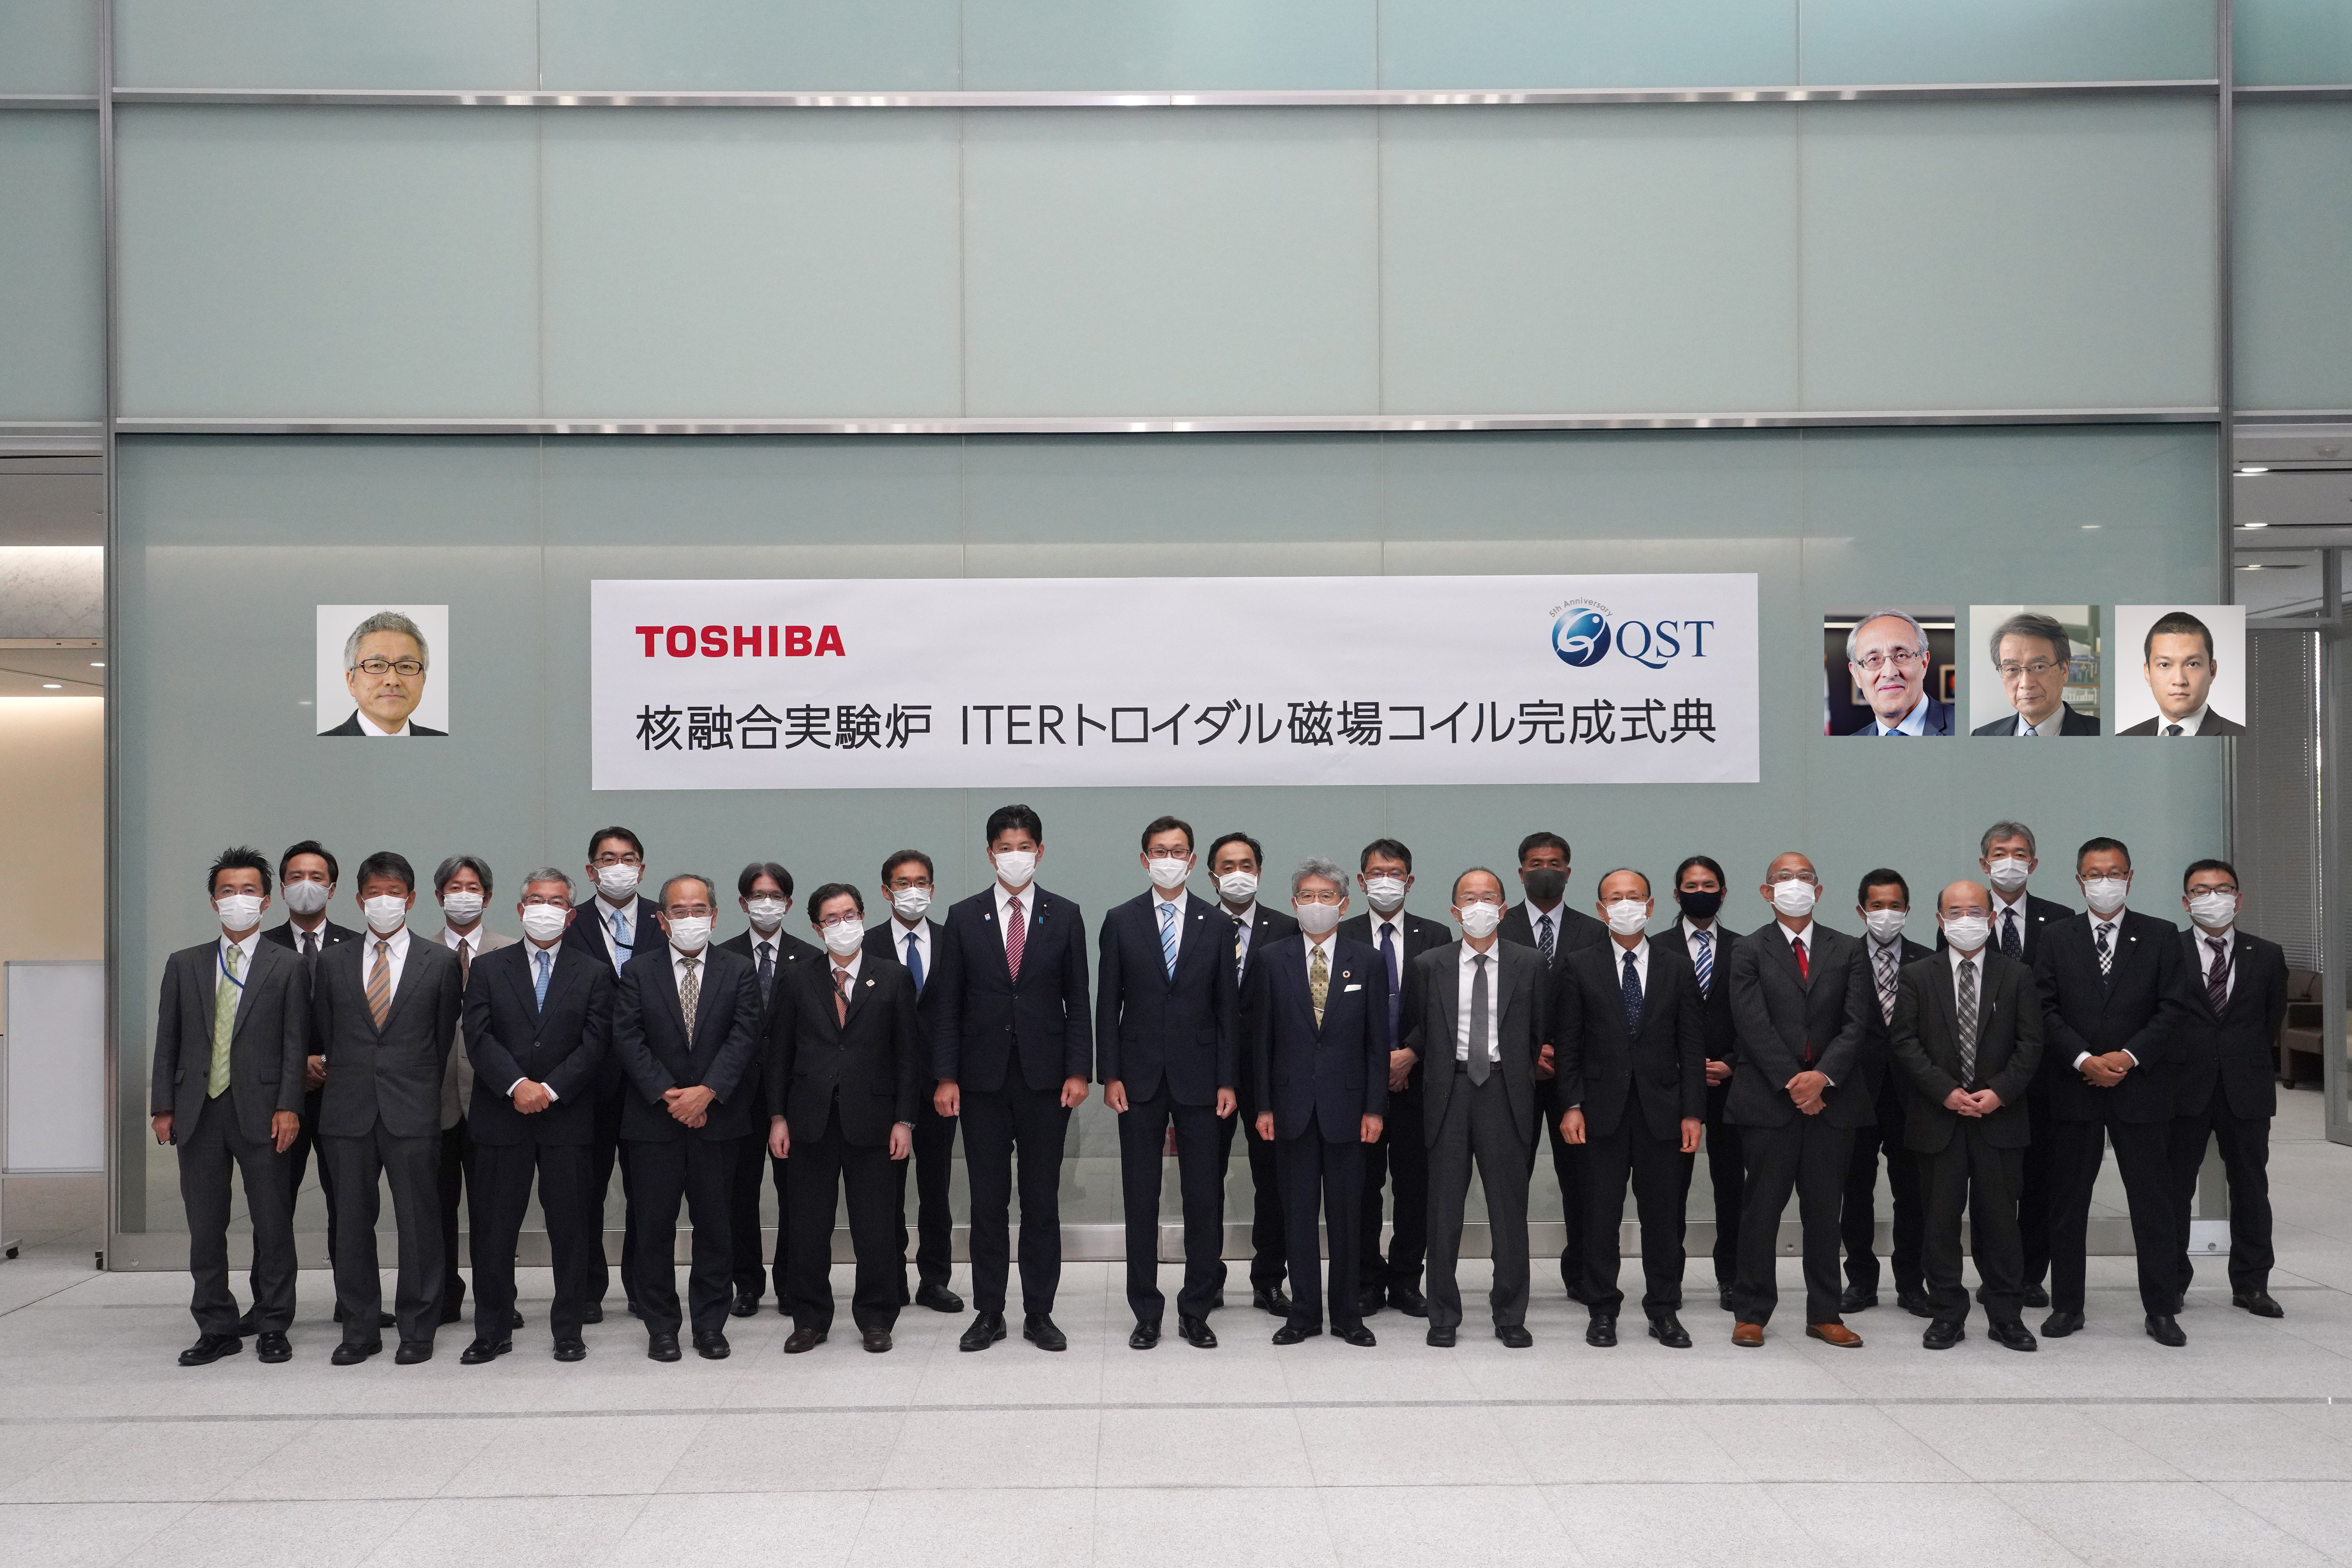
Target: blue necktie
<point x="1631" y="990"/>
<point x="915" y="961"/>
<point x="1168" y="937"/>
<point x="1396" y="997"/>
<point x="621" y="944"/>
<point x="1704" y="959"/>
<point x="540" y="985"/>
<point x="2010" y="947"/>
<point x="767" y="967"/>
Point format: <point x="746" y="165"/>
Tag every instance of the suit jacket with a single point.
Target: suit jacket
<point x="458" y="1082"/>
<point x="587" y="929"/>
<point x="563" y="1045"/>
<point x="1878" y="1063"/>
<point x="886" y="943"/>
<point x="1419" y="936"/>
<point x="1265" y="925"/>
<point x="988" y="1020"/>
<point x="2139" y="1007"/>
<point x="350" y="726"/>
<point x="790" y="953"/>
<point x="1926" y="1048"/>
<point x="267" y="1043"/>
<point x="2232" y="1049"/>
<point x="391" y="1075"/>
<point x="867" y="1066"/>
<point x="1520" y="995"/>
<point x="2040" y="914"/>
<point x="650" y="1038"/>
<point x="1328" y="1075"/>
<point x="2074" y="723"/>
<point x="1572" y="930"/>
<point x="330" y="933"/>
<point x="1717" y="1028"/>
<point x="1150" y="1028"/>
<point x="1780" y="1016"/>
<point x="1938" y="722"/>
<point x="1601" y="1065"/>
<point x="2213" y="725"/>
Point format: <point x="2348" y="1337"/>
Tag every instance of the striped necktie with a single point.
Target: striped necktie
<point x="538" y="986"/>
<point x="1886" y="955"/>
<point x="1168" y="937"/>
<point x="2217" y="978"/>
<point x="1016" y="938"/>
<point x="225" y="995"/>
<point x="2106" y="950"/>
<point x="1967" y="1009"/>
<point x="1703" y="961"/>
<point x="379" y="983"/>
<point x="1544" y="939"/>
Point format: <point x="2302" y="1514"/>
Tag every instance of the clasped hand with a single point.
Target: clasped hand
<point x="690" y="1107"/>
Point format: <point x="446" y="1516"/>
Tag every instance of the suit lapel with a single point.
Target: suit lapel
<point x="262" y="959"/>
<point x="1507" y="977"/>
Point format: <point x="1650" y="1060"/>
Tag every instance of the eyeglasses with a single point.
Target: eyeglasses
<point x="408" y="668"/>
<point x="687" y="911"/>
<point x="854" y="920"/>
<point x="555" y="901"/>
<point x="900" y="884"/>
<point x="2038" y="669"/>
<point x="1321" y="896"/>
<point x="1902" y="659"/>
<point x="625" y="859"/>
<point x="1778" y="877"/>
<point x="2225" y="889"/>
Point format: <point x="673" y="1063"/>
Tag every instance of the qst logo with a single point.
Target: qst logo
<point x="1580" y="635"/>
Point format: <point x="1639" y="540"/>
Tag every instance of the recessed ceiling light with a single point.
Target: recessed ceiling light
<point x="98" y="664"/>
<point x="51" y="686"/>
<point x="2254" y="525"/>
<point x="2252" y="468"/>
<point x="2089" y="526"/>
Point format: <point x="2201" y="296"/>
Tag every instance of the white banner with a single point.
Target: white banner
<point x="1055" y="682"/>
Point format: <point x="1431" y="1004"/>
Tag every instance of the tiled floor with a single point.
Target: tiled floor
<point x="2103" y="1449"/>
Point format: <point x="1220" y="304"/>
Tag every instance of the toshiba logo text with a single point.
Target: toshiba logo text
<point x="742" y="642"/>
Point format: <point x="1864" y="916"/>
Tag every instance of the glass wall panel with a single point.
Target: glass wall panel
<point x="48" y="46"/>
<point x="901" y="46"/>
<point x="327" y="43"/>
<point x="2293" y="255"/>
<point x="2286" y="41"/>
<point x="1138" y="44"/>
<point x="52" y="326"/>
<point x="2004" y="41"/>
<point x="1587" y="43"/>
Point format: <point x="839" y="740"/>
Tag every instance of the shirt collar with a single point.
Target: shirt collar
<point x="1693" y="933"/>
<point x="1915" y="722"/>
<point x="2226" y="936"/>
<point x="1640" y="950"/>
<point x="2189" y="724"/>
<point x="1956" y="955"/>
<point x="1791" y="937"/>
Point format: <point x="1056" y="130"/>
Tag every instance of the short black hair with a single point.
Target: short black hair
<point x="1159" y="824"/>
<point x="457" y="863"/>
<point x="239" y="858"/>
<point x="1392" y="848"/>
<point x="388" y="863"/>
<point x="2097" y="845"/>
<point x="2174" y="624"/>
<point x="1257" y="850"/>
<point x="311" y="847"/>
<point x="1882" y="876"/>
<point x="900" y="857"/>
<point x="759" y="868"/>
<point x="1005" y="817"/>
<point x="830" y="891"/>
<point x="616" y="831"/>
<point x="2194" y="866"/>
<point x="1545" y="841"/>
<point x="1705" y="861"/>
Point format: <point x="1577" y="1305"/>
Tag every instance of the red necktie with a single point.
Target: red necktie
<point x="1016" y="937"/>
<point x="1804" y="969"/>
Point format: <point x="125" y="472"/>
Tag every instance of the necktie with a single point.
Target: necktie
<point x="840" y="995"/>
<point x="2217" y="978"/>
<point x="310" y="956"/>
<point x="1318" y="980"/>
<point x="2172" y="729"/>
<point x="1476" y="1053"/>
<point x="1886" y="981"/>
<point x="915" y="961"/>
<point x="1241" y="950"/>
<point x="621" y="945"/>
<point x="538" y="986"/>
<point x="1629" y="989"/>
<point x="1804" y="969"/>
<point x="1543" y="938"/>
<point x="225" y="996"/>
<point x="378" y="984"/>
<point x="1396" y="993"/>
<point x="465" y="963"/>
<point x="1168" y="937"/>
<point x="690" y="996"/>
<point x="1016" y="937"/>
<point x="1704" y="961"/>
<point x="767" y="966"/>
<point x="2010" y="945"/>
<point x="2106" y="954"/>
<point x="1967" y="998"/>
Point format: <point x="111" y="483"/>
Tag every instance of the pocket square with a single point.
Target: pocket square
<point x="1351" y="988"/>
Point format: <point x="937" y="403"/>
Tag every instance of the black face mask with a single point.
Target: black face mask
<point x="1545" y="885"/>
<point x="1699" y="906"/>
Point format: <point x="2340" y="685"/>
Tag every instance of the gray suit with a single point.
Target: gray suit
<point x="269" y="1042"/>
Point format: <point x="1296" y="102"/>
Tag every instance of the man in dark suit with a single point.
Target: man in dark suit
<point x="386" y="666"/>
<point x="2227" y="1091"/>
<point x="2176" y="660"/>
<point x="1800" y="995"/>
<point x="911" y="939"/>
<point x="1883" y="905"/>
<point x="2030" y="653"/>
<point x="539" y="1021"/>
<point x="1015" y="1051"/>
<point x="763" y="892"/>
<point x="462" y="886"/>
<point x="845" y="1071"/>
<point x="1385" y="875"/>
<point x="1319" y="1008"/>
<point x="1967" y="1040"/>
<point x="1632" y="1042"/>
<point x="231" y="1035"/>
<point x="1887" y="654"/>
<point x="1165" y="1052"/>
<point x="2114" y="990"/>
<point x="1705" y="942"/>
<point x="384" y="1011"/>
<point x="611" y="927"/>
<point x="1476" y="1015"/>
<point x="1236" y="861"/>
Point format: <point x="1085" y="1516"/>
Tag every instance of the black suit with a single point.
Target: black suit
<point x="1008" y="1042"/>
<point x="350" y="726"/>
<point x="298" y="1158"/>
<point x="1269" y="1255"/>
<point x="379" y="1119"/>
<point x="588" y="933"/>
<point x="228" y="1133"/>
<point x="1791" y="1021"/>
<point x="2074" y="723"/>
<point x="1571" y="931"/>
<point x="2228" y="1091"/>
<point x="511" y="1035"/>
<point x="1972" y="1163"/>
<point x="1858" y="1218"/>
<point x="934" y="1156"/>
<point x="1168" y="1040"/>
<point x="746" y="1245"/>
<point x="670" y="1160"/>
<point x="2211" y="724"/>
<point x="1403" y="1142"/>
<point x="1725" y="1173"/>
<point x="844" y="1066"/>
<point x="2139" y="1007"/>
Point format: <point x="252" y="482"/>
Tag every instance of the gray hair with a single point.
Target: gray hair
<point x="2007" y="830"/>
<point x="457" y="863"/>
<point x="710" y="887"/>
<point x="1917" y="631"/>
<point x="384" y="621"/>
<point x="546" y="874"/>
<point x="2027" y="624"/>
<point x="1317" y="865"/>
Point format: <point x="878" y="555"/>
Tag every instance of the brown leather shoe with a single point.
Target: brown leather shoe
<point x="1748" y="1336"/>
<point x="1836" y="1334"/>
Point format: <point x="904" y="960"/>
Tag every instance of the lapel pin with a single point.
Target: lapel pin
<point x="1345" y="973"/>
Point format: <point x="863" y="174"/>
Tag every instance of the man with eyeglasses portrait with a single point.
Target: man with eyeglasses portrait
<point x="384" y="665"/>
<point x="2030" y="653"/>
<point x="1887" y="654"/>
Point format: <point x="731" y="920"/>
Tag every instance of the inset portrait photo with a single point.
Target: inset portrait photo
<point x="2189" y="675"/>
<point x="380" y="665"/>
<point x="2035" y="669"/>
<point x="1888" y="669"/>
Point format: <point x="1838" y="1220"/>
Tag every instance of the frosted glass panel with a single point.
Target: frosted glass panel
<point x="52" y="329"/>
<point x="326" y="43"/>
<point x="726" y="262"/>
<point x="48" y="46"/>
<point x="333" y="261"/>
<point x="1587" y="43"/>
<point x="2004" y="41"/>
<point x="1170" y="262"/>
<point x="1048" y="44"/>
<point x="2286" y="41"/>
<point x="2007" y="255"/>
<point x="2293" y="255"/>
<point x="1582" y="259"/>
<point x="749" y="45"/>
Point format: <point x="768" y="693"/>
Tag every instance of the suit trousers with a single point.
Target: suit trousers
<point x="1015" y="1122"/>
<point x="1142" y="1133"/>
<point x="1568" y="1166"/>
<point x="1478" y="1128"/>
<point x="747" y="1235"/>
<point x="701" y="1170"/>
<point x="2034" y="1191"/>
<point x="501" y="1177"/>
<point x="933" y="1164"/>
<point x="1858" y="1220"/>
<point x="1660" y="1176"/>
<point x="456" y="1181"/>
<point x="608" y="1152"/>
<point x="1321" y="1180"/>
<point x="2077" y="1150"/>
<point x="411" y="1167"/>
<point x="1970" y="1174"/>
<point x="1812" y="1156"/>
<point x="2245" y="1158"/>
<point x="298" y="1164"/>
<point x="1402" y="1153"/>
<point x="1269" y="1257"/>
<point x="1729" y="1178"/>
<point x="824" y="1169"/>
<point x="210" y="1152"/>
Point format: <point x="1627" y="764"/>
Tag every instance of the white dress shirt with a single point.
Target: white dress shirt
<point x="2227" y="937"/>
<point x="1160" y="901"/>
<point x="1028" y="897"/>
<point x="1395" y="922"/>
<point x="468" y="947"/>
<point x="848" y="970"/>
<point x="1713" y="936"/>
<point x="1537" y="916"/>
<point x="2188" y="724"/>
<point x="395" y="957"/>
<point x="1641" y="951"/>
<point x="1321" y="943"/>
<point x="245" y="951"/>
<point x="2002" y="908"/>
<point x="628" y="913"/>
<point x="2112" y="925"/>
<point x="531" y="950"/>
<point x="921" y="931"/>
<point x="368" y="725"/>
<point x="678" y="960"/>
<point x="1469" y="972"/>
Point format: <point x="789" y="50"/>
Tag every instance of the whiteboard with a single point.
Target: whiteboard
<point x="55" y="1035"/>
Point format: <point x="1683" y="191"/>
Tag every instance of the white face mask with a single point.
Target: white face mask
<point x="1237" y="887"/>
<point x="1886" y="925"/>
<point x="544" y="922"/>
<point x="766" y="914"/>
<point x="617" y="882"/>
<point x="908" y="904"/>
<point x="1479" y="919"/>
<point x="238" y="912"/>
<point x="843" y="938"/>
<point x="2008" y="873"/>
<point x="689" y="934"/>
<point x="1386" y="893"/>
<point x="1968" y="932"/>
<point x="306" y="897"/>
<point x="2107" y="894"/>
<point x="1014" y="867"/>
<point x="1627" y="916"/>
<point x="1316" y="919"/>
<point x="2212" y="910"/>
<point x="1795" y="898"/>
<point x="385" y="914"/>
<point x="1169" y="875"/>
<point x="463" y="908"/>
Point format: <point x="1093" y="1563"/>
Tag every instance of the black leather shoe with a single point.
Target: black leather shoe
<point x="1601" y="1332"/>
<point x="386" y="1321"/>
<point x="1515" y="1336"/>
<point x="661" y="1347"/>
<point x="1723" y="1300"/>
<point x="515" y="1320"/>
<point x="1196" y="1333"/>
<point x="1359" y="1336"/>
<point x="939" y="1299"/>
<point x="1277" y="1301"/>
<point x="2165" y="1330"/>
<point x="2015" y="1335"/>
<point x="747" y="1305"/>
<point x="1942" y="1334"/>
<point x="1408" y="1301"/>
<point x="1438" y="1338"/>
<point x="800" y="1341"/>
<point x="1293" y="1333"/>
<point x="411" y="1352"/>
<point x="711" y="1346"/>
<point x="2035" y="1295"/>
<point x="1857" y="1299"/>
<point x="210" y="1347"/>
<point x="2058" y="1325"/>
<point x="594" y="1312"/>
<point x="571" y="1350"/>
<point x="350" y="1354"/>
<point x="480" y="1351"/>
<point x="1668" y="1330"/>
<point x="1038" y="1329"/>
<point x="1916" y="1302"/>
<point x="272" y="1347"/>
<point x="987" y="1328"/>
<point x="1146" y="1335"/>
<point x="1369" y="1303"/>
<point x="2258" y="1302"/>
<point x="876" y="1341"/>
